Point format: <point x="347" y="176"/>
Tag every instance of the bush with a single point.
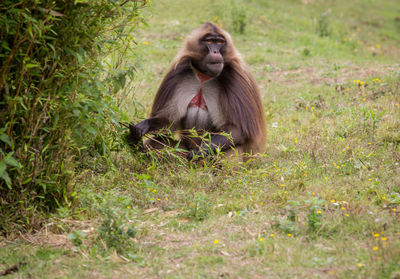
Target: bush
<point x="239" y="18"/>
<point x="56" y="97"/>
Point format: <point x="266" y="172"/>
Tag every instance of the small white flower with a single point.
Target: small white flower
<point x="275" y="125"/>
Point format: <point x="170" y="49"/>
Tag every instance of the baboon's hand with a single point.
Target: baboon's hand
<point x="135" y="135"/>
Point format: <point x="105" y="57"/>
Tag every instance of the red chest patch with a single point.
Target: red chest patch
<point x="198" y="100"/>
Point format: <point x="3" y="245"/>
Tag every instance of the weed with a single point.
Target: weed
<point x="199" y="208"/>
<point x="210" y="260"/>
<point x="285" y="225"/>
<point x="115" y="231"/>
<point x="322" y="25"/>
<point x="371" y="118"/>
<point x="76" y="237"/>
<point x="292" y="208"/>
<point x="306" y="52"/>
<point x="257" y="248"/>
<point x="314" y="218"/>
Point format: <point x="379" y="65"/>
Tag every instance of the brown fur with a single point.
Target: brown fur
<point x="240" y="100"/>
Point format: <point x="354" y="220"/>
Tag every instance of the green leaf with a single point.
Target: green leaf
<point x="4" y="174"/>
<point x="11" y="161"/>
<point x="3" y="168"/>
<point x="29" y="179"/>
<point x="5" y="138"/>
<point x="31" y="65"/>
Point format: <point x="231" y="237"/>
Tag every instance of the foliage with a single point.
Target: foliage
<point x="56" y="103"/>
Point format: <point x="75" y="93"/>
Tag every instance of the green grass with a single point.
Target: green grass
<point x="323" y="201"/>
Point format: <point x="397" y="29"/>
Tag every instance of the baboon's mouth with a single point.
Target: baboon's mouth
<point x="215" y="65"/>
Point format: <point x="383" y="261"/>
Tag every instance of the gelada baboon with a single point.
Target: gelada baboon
<point x="209" y="89"/>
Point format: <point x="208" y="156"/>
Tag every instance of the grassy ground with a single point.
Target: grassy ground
<point x="323" y="202"/>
